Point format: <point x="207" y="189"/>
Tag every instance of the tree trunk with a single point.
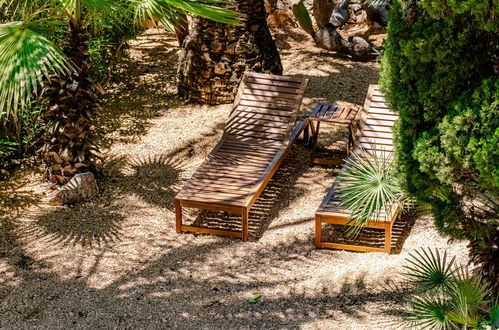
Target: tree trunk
<point x="215" y="55"/>
<point x="69" y="138"/>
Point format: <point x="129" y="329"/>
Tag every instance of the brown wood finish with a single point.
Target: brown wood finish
<point x="373" y="135"/>
<point x="256" y="138"/>
<point x="334" y="114"/>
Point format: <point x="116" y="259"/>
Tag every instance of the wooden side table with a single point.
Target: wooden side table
<point x="334" y="114"/>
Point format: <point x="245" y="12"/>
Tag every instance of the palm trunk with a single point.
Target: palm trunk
<point x="69" y="140"/>
<point x="215" y="55"/>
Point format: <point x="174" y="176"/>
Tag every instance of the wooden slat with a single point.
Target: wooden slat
<point x="276" y="77"/>
<point x="265" y="105"/>
<point x="377" y="116"/>
<point x="377" y="134"/>
<point x="268" y="99"/>
<point x="254" y="86"/>
<point x="376" y="128"/>
<point x="281" y="95"/>
<point x="262" y="116"/>
<point x="371" y="140"/>
<point x="257" y="128"/>
<point x="238" y="121"/>
<point x="273" y="82"/>
<point x="378" y="122"/>
<point x="273" y="112"/>
<point x="378" y="147"/>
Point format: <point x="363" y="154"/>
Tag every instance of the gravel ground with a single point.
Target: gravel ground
<point x="117" y="263"/>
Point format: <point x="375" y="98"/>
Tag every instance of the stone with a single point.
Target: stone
<point x="355" y="7"/>
<point x="82" y="187"/>
<point x="220" y="68"/>
<point x="340" y="15"/>
<point x="360" y="49"/>
<point x="328" y="38"/>
<point x="360" y="18"/>
<point x="377" y="12"/>
<point x="216" y="46"/>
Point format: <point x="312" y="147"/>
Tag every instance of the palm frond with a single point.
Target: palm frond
<point x="97" y="12"/>
<point x="26" y="59"/>
<point x="369" y="189"/>
<point x="169" y="12"/>
<point x="468" y="295"/>
<point x="430" y="271"/>
<point x="431" y="312"/>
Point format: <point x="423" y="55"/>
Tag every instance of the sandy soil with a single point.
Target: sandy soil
<point x="117" y="263"/>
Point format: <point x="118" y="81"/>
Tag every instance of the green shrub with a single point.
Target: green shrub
<point x="440" y="72"/>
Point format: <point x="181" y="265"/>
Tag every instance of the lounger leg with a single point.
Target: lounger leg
<point x="178" y="216"/>
<point x="245" y="216"/>
<point x="350" y="139"/>
<point x="306" y="134"/>
<point x="318" y="231"/>
<point x="388" y="238"/>
<point x="315" y="138"/>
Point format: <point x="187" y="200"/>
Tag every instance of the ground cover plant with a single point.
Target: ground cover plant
<point x="440" y="71"/>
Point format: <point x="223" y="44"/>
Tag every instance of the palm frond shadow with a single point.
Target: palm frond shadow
<point x="155" y="179"/>
<point x="90" y="224"/>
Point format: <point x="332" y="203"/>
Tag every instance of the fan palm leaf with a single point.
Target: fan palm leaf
<point x="430" y="271"/>
<point x="468" y="294"/>
<point x="169" y="12"/>
<point x="26" y="59"/>
<point x="431" y="312"/>
<point x="368" y="188"/>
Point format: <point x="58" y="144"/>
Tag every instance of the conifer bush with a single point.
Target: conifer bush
<point x="440" y="71"/>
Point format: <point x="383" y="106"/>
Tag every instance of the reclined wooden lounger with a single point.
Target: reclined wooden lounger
<point x="374" y="135"/>
<point x="256" y="139"/>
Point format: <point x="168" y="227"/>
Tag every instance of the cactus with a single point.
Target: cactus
<point x="303" y="17"/>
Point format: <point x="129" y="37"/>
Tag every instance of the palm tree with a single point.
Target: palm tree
<point x="29" y="58"/>
<point x="215" y="56"/>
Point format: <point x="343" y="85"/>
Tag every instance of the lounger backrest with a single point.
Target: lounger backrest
<point x="374" y="130"/>
<point x="266" y="108"/>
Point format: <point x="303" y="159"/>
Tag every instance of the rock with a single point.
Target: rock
<point x="360" y="18"/>
<point x="340" y="15"/>
<point x="221" y="68"/>
<point x="360" y="49"/>
<point x="81" y="187"/>
<point x="377" y="12"/>
<point x="328" y="38"/>
<point x="355" y="7"/>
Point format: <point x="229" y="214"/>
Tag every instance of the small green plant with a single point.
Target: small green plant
<point x="369" y="189"/>
<point x="447" y="296"/>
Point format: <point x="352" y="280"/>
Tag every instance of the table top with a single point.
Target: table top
<point x="334" y="113"/>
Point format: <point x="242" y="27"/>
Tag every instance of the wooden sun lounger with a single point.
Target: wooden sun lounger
<point x="256" y="139"/>
<point x="374" y="135"/>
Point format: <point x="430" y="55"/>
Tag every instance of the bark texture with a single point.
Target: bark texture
<point x="69" y="141"/>
<point x="215" y="55"/>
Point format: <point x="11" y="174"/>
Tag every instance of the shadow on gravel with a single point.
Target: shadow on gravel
<point x="170" y="292"/>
